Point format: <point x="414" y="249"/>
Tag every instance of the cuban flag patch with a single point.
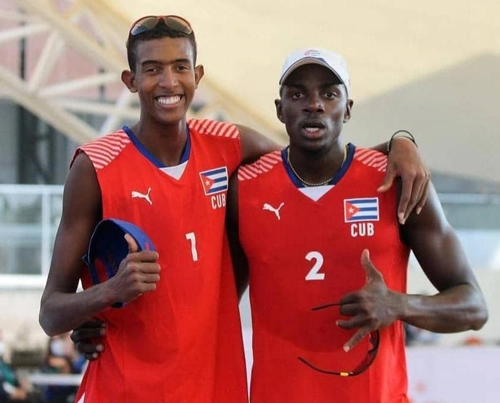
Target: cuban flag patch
<point x="364" y="209"/>
<point x="214" y="181"/>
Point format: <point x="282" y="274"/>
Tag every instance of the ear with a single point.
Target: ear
<point x="348" y="107"/>
<point x="279" y="110"/>
<point x="128" y="78"/>
<point x="199" y="72"/>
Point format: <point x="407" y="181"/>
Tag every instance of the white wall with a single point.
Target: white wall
<point x="19" y="318"/>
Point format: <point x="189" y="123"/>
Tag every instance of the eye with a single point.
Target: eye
<point x="296" y="95"/>
<point x="152" y="70"/>
<point x="183" y="67"/>
<point x="331" y="94"/>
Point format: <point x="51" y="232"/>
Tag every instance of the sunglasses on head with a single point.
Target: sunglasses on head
<point x="374" y="338"/>
<point x="149" y="22"/>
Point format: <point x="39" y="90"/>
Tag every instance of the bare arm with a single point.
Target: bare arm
<point x="459" y="304"/>
<point x="240" y="263"/>
<point x="62" y="308"/>
<point x="254" y="144"/>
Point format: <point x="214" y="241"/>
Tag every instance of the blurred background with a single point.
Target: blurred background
<point x="431" y="67"/>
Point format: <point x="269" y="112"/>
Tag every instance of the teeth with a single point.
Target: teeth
<point x="311" y="129"/>
<point x="169" y="100"/>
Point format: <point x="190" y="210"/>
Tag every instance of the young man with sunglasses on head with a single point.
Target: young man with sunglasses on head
<point x="327" y="258"/>
<point x="177" y="336"/>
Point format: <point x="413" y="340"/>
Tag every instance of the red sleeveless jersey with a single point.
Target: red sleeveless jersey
<point x="304" y="253"/>
<point x="182" y="342"/>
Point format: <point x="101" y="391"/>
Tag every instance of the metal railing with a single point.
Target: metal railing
<point x="29" y="217"/>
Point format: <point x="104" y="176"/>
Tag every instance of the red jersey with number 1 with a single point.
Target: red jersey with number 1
<point x="182" y="342"/>
<point x="304" y="251"/>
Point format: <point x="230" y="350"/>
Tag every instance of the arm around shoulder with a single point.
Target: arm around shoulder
<point x="254" y="144"/>
<point x="404" y="161"/>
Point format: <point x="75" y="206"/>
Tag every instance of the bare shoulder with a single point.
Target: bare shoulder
<point x="81" y="190"/>
<point x="81" y="212"/>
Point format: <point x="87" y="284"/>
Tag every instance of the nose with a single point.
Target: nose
<point x="314" y="103"/>
<point x="168" y="78"/>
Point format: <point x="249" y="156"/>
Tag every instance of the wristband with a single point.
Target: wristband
<point x="401" y="133"/>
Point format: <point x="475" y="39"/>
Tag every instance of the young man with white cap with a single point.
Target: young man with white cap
<point x="327" y="257"/>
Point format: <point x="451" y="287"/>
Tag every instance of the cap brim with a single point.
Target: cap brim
<point x="108" y="246"/>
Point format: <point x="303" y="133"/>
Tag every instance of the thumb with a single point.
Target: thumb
<point x="132" y="244"/>
<point x="370" y="270"/>
<point x="390" y="176"/>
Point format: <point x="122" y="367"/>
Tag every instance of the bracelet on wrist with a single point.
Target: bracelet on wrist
<point x="401" y="133"/>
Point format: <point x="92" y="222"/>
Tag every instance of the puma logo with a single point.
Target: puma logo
<point x="144" y="196"/>
<point x="276" y="211"/>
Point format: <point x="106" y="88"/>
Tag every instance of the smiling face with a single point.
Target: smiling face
<point x="313" y="107"/>
<point x="165" y="79"/>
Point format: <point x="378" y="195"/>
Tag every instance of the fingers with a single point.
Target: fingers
<point x="86" y="339"/>
<point x="137" y="283"/>
<point x="423" y="196"/>
<point x="134" y="254"/>
<point x="413" y="195"/>
<point x="410" y="192"/>
<point x="404" y="161"/>
<point x="357" y="321"/>
<point x="91" y="356"/>
<point x="132" y="244"/>
<point x="142" y="265"/>
<point x="90" y="351"/>
<point x="356" y="338"/>
<point x="89" y="330"/>
<point x="365" y="310"/>
<point x="138" y="274"/>
<point x="359" y="306"/>
<point x="390" y="176"/>
<point x="405" y="205"/>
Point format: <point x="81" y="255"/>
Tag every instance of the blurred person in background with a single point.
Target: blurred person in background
<point x="12" y="389"/>
<point x="61" y="358"/>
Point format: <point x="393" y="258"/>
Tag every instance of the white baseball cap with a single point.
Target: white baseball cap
<point x="323" y="57"/>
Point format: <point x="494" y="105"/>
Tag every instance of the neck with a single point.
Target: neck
<point x="165" y="142"/>
<point x="317" y="171"/>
